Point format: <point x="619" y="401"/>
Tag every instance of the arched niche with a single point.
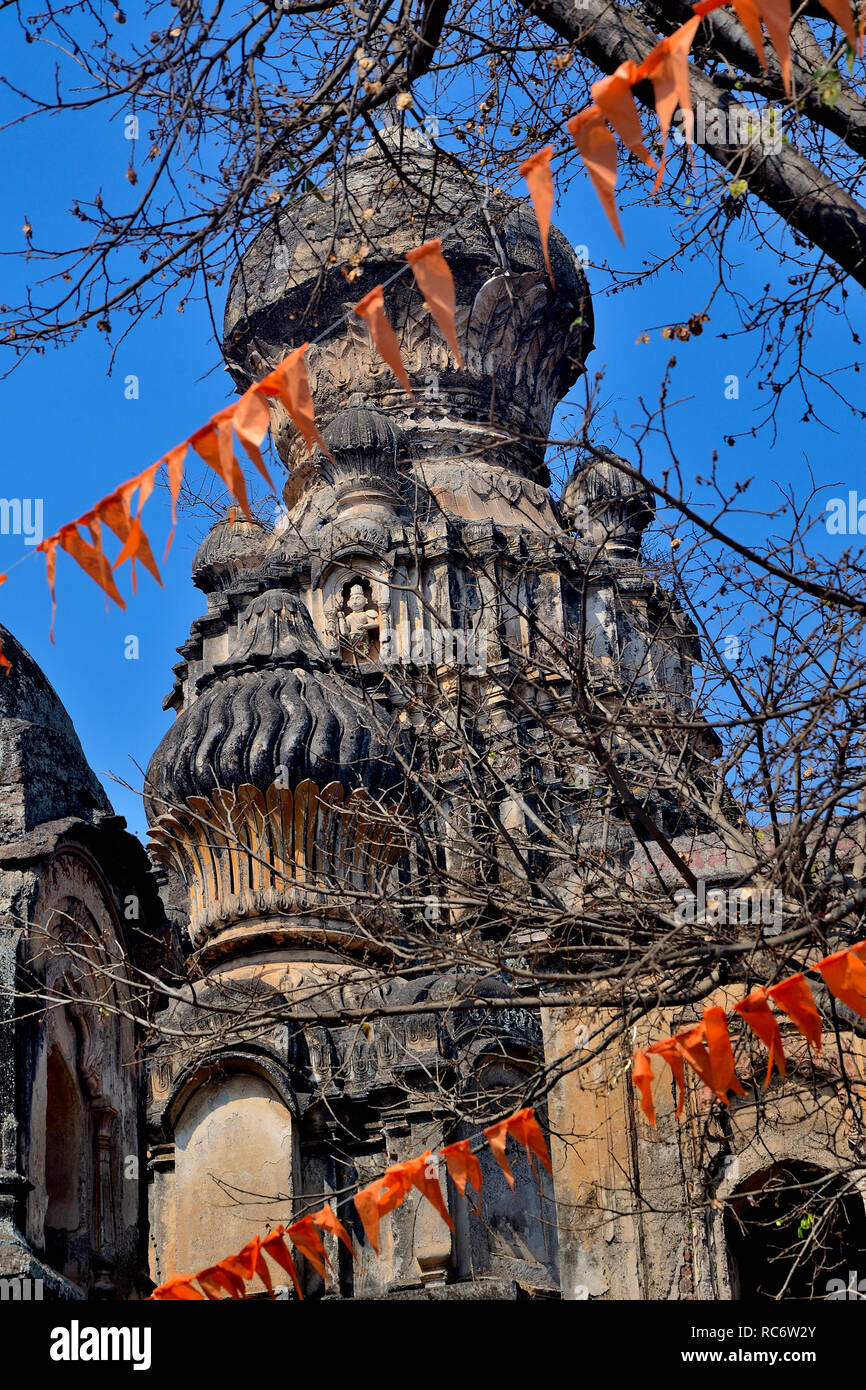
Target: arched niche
<point x="793" y="1230"/>
<point x="65" y="1176"/>
<point x="233" y="1166"/>
<point x="514" y="1236"/>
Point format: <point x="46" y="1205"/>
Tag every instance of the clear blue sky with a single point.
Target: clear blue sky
<point x="70" y="435"/>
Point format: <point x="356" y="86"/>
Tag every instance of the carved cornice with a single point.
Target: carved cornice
<point x="254" y="857"/>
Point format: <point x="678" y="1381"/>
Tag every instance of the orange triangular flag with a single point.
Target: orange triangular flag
<point x="248" y="1262"/>
<point x="422" y="1173"/>
<point x="523" y="1127"/>
<point x="845" y="977"/>
<point x="747" y="13"/>
<point x="49" y="546"/>
<point x="91" y="560"/>
<point x="667" y="67"/>
<point x="598" y="151"/>
<point x="537" y="172"/>
<point x="690" y="1045"/>
<point x="526" y="1130"/>
<point x="760" y="1018"/>
<point x="328" y="1221"/>
<point x="613" y="96"/>
<point x="304" y="1235"/>
<point x="276" y="1247"/>
<point x="114" y="511"/>
<point x="721" y="1053"/>
<point x="642" y="1076"/>
<point x="174" y="461"/>
<point x="372" y="310"/>
<point x="217" y="1278"/>
<point x="436" y="283"/>
<point x="794" y="997"/>
<point x="289" y="381"/>
<point x="252" y="422"/>
<point x="214" y="443"/>
<point x="776" y="15"/>
<point x="667" y="1050"/>
<point x="496" y="1136"/>
<point x="379" y="1198"/>
<point x="180" y="1286"/>
<point x="463" y="1167"/>
<point x="841" y="12"/>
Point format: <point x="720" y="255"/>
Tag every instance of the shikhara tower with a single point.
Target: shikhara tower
<point x="424" y="603"/>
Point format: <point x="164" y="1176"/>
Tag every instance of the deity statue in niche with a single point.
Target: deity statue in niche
<point x="359" y="621"/>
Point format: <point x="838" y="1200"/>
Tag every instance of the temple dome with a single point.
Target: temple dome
<point x="523" y="342"/>
<point x="44" y="774"/>
<point x="233" y="545"/>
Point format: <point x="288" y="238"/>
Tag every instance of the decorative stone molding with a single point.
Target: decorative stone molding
<point x="250" y="854"/>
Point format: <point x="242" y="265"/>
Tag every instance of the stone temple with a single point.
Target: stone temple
<point x="183" y="1057"/>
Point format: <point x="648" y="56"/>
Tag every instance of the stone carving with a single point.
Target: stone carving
<point x="359" y="621"/>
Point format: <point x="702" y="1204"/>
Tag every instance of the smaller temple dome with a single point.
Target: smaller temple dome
<point x="232" y="545"/>
<point x="44" y="774"/>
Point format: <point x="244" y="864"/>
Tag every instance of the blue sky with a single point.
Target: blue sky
<point x="71" y="435"/>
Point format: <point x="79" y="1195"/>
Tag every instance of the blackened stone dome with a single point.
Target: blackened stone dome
<point x="232" y="545"/>
<point x="273" y="711"/>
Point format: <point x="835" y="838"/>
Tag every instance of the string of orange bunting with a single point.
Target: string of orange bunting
<point x="232" y="1274"/>
<point x="706" y="1046"/>
<point x="613" y="110"/>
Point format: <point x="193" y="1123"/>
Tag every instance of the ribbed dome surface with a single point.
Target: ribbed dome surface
<point x="273" y="711"/>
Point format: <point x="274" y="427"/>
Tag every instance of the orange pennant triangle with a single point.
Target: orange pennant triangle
<point x="378" y="1199"/>
<point x="845" y="977"/>
<point x="436" y="283"/>
<point x="179" y="1287"/>
<point x="174" y="461"/>
<point x="539" y="177"/>
<point x="463" y="1167"/>
<point x="304" y="1235"/>
<point x="760" y="1018"/>
<point x="667" y="67"/>
<point x="328" y="1221"/>
<point x="642" y="1076"/>
<point x="290" y="383"/>
<point x="794" y="997"/>
<point x="842" y="13"/>
<point x="690" y="1045"/>
<point x="214" y="443"/>
<point x="248" y="1263"/>
<point x="218" y="1279"/>
<point x="422" y="1172"/>
<point x="275" y="1246"/>
<point x="597" y="149"/>
<point x="721" y="1054"/>
<point x="669" y="1053"/>
<point x="251" y="423"/>
<point x="613" y="96"/>
<point x="90" y="558"/>
<point x="776" y="15"/>
<point x="372" y="310"/>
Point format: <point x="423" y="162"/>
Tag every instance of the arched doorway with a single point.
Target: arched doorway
<point x="791" y="1229"/>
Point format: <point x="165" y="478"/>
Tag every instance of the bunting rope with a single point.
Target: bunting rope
<point x="706" y="1046"/>
<point x="372" y="1203"/>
